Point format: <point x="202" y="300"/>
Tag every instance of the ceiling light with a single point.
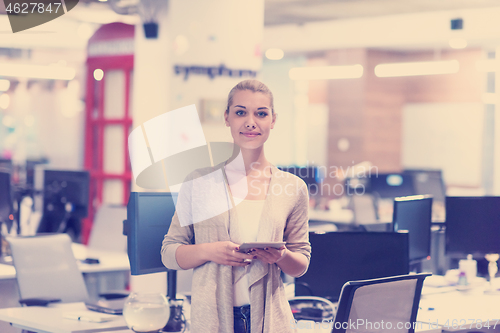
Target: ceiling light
<point x="98" y="74"/>
<point x="4" y="85"/>
<point x="417" y="68"/>
<point x="457" y="43"/>
<point x="37" y="71"/>
<point x="181" y="45"/>
<point x="274" y="54"/>
<point x="326" y="72"/>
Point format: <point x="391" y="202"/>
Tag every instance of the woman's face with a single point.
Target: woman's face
<point x="250" y="119"/>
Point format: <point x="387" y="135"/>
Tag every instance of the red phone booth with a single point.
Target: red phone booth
<point x="110" y="63"/>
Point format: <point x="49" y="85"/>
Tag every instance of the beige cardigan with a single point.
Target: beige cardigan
<point x="284" y="218"/>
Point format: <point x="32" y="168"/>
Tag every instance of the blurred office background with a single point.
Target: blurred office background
<point x="106" y="77"/>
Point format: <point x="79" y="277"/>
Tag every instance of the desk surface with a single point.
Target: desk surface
<point x="343" y="216"/>
<point x="109" y="261"/>
<point x="51" y="319"/>
<point x="7" y="272"/>
<point x="448" y="307"/>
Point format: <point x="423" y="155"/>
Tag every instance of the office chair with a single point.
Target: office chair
<point x="382" y="302"/>
<point x="46" y="269"/>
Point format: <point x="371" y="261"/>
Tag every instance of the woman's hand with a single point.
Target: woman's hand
<point x="269" y="255"/>
<point x="226" y="253"/>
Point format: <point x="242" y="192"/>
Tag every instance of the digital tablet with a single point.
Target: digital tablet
<point x="245" y="247"/>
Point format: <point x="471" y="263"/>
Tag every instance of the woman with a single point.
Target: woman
<point x="235" y="291"/>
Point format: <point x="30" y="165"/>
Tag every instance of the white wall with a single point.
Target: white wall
<point x="445" y="136"/>
<point x="281" y="148"/>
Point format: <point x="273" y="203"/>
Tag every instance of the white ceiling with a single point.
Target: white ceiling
<point x="303" y="11"/>
<point x="278" y="13"/>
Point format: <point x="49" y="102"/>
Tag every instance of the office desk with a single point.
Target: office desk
<point x="109" y="261"/>
<point x="344" y="220"/>
<point x="51" y="319"/>
<point x="450" y="308"/>
<point x="7" y="272"/>
<point x="343" y="216"/>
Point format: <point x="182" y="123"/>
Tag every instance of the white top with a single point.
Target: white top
<point x="249" y="212"/>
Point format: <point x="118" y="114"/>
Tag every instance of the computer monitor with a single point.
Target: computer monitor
<point x="390" y="185"/>
<point x="148" y="219"/>
<point x="381" y="185"/>
<point x="149" y="215"/>
<point x="472" y="225"/>
<point x="6" y="165"/>
<point x="430" y="182"/>
<point x="6" y="207"/>
<point x="339" y="257"/>
<point x="309" y="174"/>
<point x="414" y="214"/>
<point x="65" y="201"/>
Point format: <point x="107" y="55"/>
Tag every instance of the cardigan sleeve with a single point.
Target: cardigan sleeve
<point x="178" y="235"/>
<point x="296" y="233"/>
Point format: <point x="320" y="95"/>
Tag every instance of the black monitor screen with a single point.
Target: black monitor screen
<point x="338" y="257"/>
<point x="414" y="214"/>
<point x="473" y="225"/>
<point x="6" y="165"/>
<point x="65" y="200"/>
<point x="64" y="186"/>
<point x="149" y="215"/>
<point x="6" y="207"/>
<point x="391" y="185"/>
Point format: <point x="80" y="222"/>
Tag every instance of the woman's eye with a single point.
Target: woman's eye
<point x="262" y="114"/>
<point x="240" y="112"/>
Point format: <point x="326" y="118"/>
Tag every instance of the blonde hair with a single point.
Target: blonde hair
<point x="252" y="85"/>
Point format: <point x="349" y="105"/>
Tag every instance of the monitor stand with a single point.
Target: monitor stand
<point x="415" y="266"/>
<point x="176" y="321"/>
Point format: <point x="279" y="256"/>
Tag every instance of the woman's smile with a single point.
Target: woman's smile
<point x="250" y="134"/>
